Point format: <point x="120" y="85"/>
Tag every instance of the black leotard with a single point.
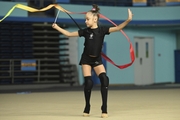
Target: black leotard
<point x="94" y="39"/>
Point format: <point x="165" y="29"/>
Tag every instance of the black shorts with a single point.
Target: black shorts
<point x="92" y="61"/>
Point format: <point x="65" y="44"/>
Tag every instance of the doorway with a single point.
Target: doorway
<point x="144" y="63"/>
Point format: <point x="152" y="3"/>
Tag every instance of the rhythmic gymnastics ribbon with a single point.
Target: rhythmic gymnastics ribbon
<point x="30" y="9"/>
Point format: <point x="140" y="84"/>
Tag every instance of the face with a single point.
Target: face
<point x="90" y="19"/>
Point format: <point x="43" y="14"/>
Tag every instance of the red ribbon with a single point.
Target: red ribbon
<point x="131" y="50"/>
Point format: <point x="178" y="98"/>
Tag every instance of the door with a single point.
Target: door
<point x="144" y="63"/>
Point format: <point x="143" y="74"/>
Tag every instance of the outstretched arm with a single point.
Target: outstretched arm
<point x="122" y="25"/>
<point x="65" y="32"/>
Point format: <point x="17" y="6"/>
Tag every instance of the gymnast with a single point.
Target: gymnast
<point x="91" y="57"/>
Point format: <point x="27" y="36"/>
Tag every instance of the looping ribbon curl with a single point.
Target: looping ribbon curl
<point x="30" y="9"/>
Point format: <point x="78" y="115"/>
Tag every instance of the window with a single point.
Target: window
<point x="136" y="44"/>
<point x="147" y="50"/>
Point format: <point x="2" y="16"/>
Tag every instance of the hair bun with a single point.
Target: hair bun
<point x="95" y="8"/>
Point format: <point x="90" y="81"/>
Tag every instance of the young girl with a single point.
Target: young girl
<point x="91" y="56"/>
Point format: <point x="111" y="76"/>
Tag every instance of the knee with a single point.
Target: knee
<point x="88" y="83"/>
<point x="104" y="80"/>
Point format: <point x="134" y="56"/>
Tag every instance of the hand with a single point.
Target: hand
<point x="54" y="25"/>
<point x="130" y="15"/>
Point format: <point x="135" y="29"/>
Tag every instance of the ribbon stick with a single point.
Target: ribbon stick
<point x="30" y="9"/>
<point x="56" y="17"/>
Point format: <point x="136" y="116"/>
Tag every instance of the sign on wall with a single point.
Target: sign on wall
<point x="139" y="2"/>
<point x="172" y="2"/>
<point x="28" y="65"/>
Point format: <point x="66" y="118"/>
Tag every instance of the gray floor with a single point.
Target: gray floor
<point x="123" y="104"/>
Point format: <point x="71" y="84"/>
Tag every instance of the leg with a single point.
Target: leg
<point x="88" y="84"/>
<point x="104" y="91"/>
<point x="100" y="71"/>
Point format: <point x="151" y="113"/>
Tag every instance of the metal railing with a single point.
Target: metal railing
<point x="12" y="71"/>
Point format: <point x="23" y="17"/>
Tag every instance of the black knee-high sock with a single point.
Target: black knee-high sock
<point x="104" y="94"/>
<point x="104" y="91"/>
<point x="87" y="93"/>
